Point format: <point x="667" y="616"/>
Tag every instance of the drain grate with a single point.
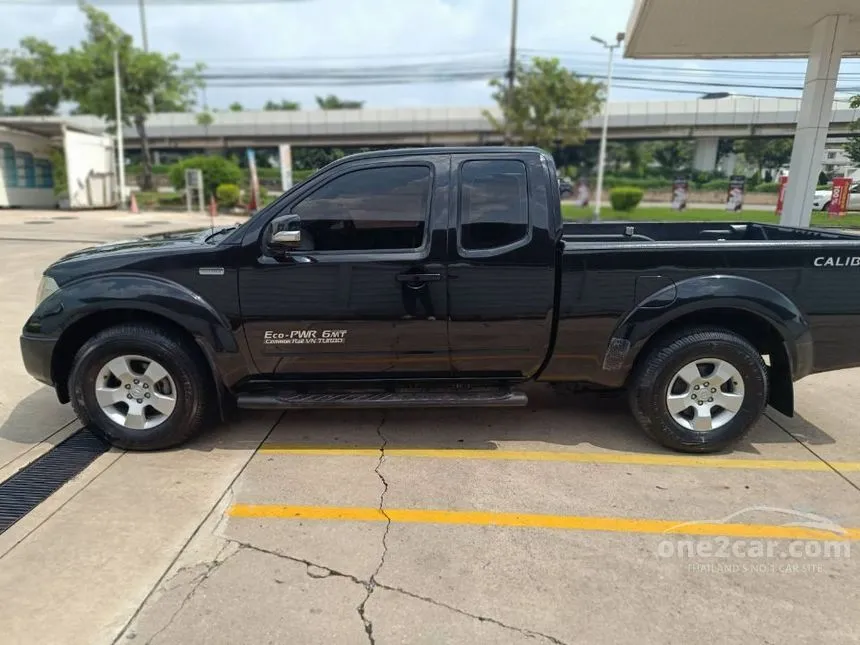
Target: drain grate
<point x="37" y="481"/>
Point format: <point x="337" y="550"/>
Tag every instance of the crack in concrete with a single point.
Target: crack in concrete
<point x="484" y="619"/>
<point x="195" y="583"/>
<point x="311" y="569"/>
<point x="309" y="566"/>
<point x="372" y="583"/>
<point x="318" y="571"/>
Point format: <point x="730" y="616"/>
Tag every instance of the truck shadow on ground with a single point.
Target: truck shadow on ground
<point x="585" y="420"/>
<point x="36" y="418"/>
<point x="590" y="419"/>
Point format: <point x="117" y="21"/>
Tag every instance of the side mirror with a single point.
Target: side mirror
<point x="284" y="232"/>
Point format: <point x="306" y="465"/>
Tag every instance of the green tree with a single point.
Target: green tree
<point x="42" y="63"/>
<point x="673" y="156"/>
<point x="150" y="81"/>
<point x="852" y="147"/>
<point x="638" y="157"/>
<point x="616" y="155"/>
<point x="755" y="152"/>
<point x="331" y="102"/>
<point x="286" y="105"/>
<point x="546" y="106"/>
<point x="216" y="170"/>
<point x="205" y="118"/>
<point x="315" y="158"/>
<point x="778" y="152"/>
<point x="766" y="153"/>
<point x="236" y="107"/>
<point x="725" y="147"/>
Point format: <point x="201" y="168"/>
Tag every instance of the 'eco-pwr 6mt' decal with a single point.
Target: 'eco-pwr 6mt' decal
<point x="305" y="337"/>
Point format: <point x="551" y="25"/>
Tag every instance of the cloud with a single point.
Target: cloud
<point x="337" y="33"/>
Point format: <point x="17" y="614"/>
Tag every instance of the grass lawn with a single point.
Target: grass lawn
<point x="656" y="213"/>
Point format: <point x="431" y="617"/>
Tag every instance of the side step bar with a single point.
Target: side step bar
<point x="280" y="400"/>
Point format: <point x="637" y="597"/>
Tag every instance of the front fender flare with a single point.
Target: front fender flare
<point x="79" y="299"/>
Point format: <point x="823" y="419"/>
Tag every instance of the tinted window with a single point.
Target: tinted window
<point x="493" y="203"/>
<point x="374" y="208"/>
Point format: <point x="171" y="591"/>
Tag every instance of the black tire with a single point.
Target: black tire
<point x="654" y="374"/>
<point x="825" y="208"/>
<point x="191" y="376"/>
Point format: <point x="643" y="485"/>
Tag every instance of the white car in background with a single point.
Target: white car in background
<point x="821" y="201"/>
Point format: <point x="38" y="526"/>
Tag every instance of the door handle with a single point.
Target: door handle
<point x="419" y="277"/>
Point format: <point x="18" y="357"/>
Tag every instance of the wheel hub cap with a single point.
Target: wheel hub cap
<point x="135" y="392"/>
<point x="705" y="394"/>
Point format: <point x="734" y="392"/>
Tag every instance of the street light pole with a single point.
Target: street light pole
<point x="143" y="25"/>
<point x="512" y="69"/>
<point x="601" y="159"/>
<point x="120" y="148"/>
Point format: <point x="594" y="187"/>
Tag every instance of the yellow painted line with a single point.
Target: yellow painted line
<point x="687" y="461"/>
<point x="567" y="522"/>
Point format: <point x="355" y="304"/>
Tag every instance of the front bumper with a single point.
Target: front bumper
<point x="37" y="353"/>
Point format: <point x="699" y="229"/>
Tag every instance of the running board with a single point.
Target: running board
<point x="280" y="400"/>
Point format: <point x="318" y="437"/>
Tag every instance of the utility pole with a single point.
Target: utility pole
<point x="143" y="25"/>
<point x="601" y="159"/>
<point x="512" y="70"/>
<point x="120" y="147"/>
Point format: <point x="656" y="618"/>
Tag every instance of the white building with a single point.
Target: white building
<point x="29" y="149"/>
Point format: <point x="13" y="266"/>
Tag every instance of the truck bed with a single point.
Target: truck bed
<point x="619" y="231"/>
<point x="614" y="267"/>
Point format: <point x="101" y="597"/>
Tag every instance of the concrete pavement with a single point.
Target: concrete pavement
<point x="556" y="523"/>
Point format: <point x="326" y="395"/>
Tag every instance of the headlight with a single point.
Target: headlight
<point x="47" y="286"/>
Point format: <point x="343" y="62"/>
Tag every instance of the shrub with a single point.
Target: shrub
<point x="216" y="171"/>
<point x="646" y="183"/>
<point x="268" y="173"/>
<point x="767" y="187"/>
<point x="301" y="175"/>
<point x="625" y="198"/>
<point x="146" y="199"/>
<point x="227" y="195"/>
<point x="173" y="199"/>
<point x="716" y="184"/>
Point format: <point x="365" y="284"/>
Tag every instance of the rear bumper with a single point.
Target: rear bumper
<point x="37" y="353"/>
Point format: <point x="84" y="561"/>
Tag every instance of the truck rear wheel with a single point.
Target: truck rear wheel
<point x="699" y="390"/>
<point x="140" y="388"/>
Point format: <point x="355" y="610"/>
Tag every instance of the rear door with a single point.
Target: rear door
<point x="502" y="270"/>
<point x="365" y="294"/>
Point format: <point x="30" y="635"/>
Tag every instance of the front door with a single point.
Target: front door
<point x="365" y="294"/>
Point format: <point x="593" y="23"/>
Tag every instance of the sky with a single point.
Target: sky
<point x="364" y="33"/>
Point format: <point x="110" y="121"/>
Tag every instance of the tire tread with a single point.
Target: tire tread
<point x="648" y="371"/>
<point x="194" y="381"/>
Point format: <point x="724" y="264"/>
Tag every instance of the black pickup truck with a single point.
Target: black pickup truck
<point x="443" y="277"/>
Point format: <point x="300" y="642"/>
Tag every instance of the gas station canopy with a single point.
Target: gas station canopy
<point x="822" y="31"/>
<point x="735" y="28"/>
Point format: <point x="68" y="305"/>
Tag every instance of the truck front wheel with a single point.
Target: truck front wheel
<point x="699" y="390"/>
<point x="140" y="388"/>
